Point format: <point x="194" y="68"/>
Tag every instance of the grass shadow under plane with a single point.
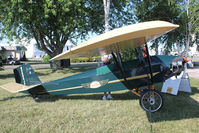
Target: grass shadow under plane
<point x="14" y="97"/>
<point x="52" y="98"/>
<point x="177" y="107"/>
<point x="63" y="71"/>
<point x="3" y="76"/>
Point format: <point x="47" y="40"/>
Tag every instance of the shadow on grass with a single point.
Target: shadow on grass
<point x="33" y="62"/>
<point x="3" y="76"/>
<point x="53" y="98"/>
<point x="75" y="69"/>
<point x="177" y="107"/>
<point x="64" y="70"/>
<point x="14" y="97"/>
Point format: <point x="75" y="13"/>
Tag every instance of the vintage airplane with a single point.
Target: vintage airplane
<point x="144" y="71"/>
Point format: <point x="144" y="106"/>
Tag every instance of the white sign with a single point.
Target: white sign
<point x="173" y="84"/>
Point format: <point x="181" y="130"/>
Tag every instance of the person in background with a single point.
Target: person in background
<point x="1" y="61"/>
<point x="190" y="63"/>
<point x="106" y="61"/>
<point x="10" y="58"/>
<point x="145" y="53"/>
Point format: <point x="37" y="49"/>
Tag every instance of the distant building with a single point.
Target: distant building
<point x="68" y="46"/>
<point x="193" y="50"/>
<point x="34" y="52"/>
<point x="31" y="50"/>
<point x="15" y="52"/>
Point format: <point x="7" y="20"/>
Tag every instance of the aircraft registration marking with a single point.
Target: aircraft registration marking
<point x="169" y="90"/>
<point x="113" y="81"/>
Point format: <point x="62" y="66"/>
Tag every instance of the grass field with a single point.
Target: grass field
<point x="19" y="113"/>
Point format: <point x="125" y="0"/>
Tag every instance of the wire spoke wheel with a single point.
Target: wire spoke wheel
<point x="151" y="101"/>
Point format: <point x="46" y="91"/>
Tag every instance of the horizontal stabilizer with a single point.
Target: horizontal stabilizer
<point x="15" y="87"/>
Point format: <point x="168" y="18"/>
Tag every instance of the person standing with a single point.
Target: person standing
<point x="106" y="61"/>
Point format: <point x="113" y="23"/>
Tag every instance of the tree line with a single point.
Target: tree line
<point x="53" y="22"/>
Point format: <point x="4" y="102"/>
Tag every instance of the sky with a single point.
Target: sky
<point x="4" y="41"/>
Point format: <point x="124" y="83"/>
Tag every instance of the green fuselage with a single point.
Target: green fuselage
<point x="103" y="79"/>
<point x="107" y="78"/>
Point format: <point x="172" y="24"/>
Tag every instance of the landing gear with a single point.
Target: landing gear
<point x="151" y="100"/>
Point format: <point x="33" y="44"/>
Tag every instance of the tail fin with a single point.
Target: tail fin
<point x="25" y="75"/>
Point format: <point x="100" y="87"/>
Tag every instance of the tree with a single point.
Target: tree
<point x="127" y="16"/>
<point x="106" y="14"/>
<point x="51" y="23"/>
<point x="166" y="10"/>
<point x="192" y="27"/>
<point x="182" y="12"/>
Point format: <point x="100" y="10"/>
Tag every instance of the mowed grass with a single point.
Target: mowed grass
<point x="88" y="113"/>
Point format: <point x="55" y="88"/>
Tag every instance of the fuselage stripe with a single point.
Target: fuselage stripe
<point x="110" y="82"/>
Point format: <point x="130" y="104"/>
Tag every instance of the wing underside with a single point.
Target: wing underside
<point x="128" y="37"/>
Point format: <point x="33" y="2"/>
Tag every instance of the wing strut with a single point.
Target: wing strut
<point x="120" y="69"/>
<point x="149" y="62"/>
<point x="123" y="75"/>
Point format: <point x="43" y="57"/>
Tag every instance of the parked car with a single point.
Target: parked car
<point x="11" y="61"/>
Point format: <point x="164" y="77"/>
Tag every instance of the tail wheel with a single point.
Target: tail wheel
<point x="151" y="100"/>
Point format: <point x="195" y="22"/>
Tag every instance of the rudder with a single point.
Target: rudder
<point x="25" y="75"/>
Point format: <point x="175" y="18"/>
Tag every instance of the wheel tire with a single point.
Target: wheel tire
<point x="149" y="103"/>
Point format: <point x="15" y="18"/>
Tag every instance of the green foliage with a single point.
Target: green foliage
<point x="96" y="58"/>
<point x="85" y="59"/>
<point x="53" y="22"/>
<point x="128" y="55"/>
<point x="81" y="59"/>
<point x="46" y="58"/>
<point x="120" y="10"/>
<point x="192" y="9"/>
<point x="166" y="10"/>
<point x="173" y="11"/>
<point x="4" y="58"/>
<point x="194" y="15"/>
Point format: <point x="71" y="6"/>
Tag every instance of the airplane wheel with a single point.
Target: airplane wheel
<point x="151" y="101"/>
